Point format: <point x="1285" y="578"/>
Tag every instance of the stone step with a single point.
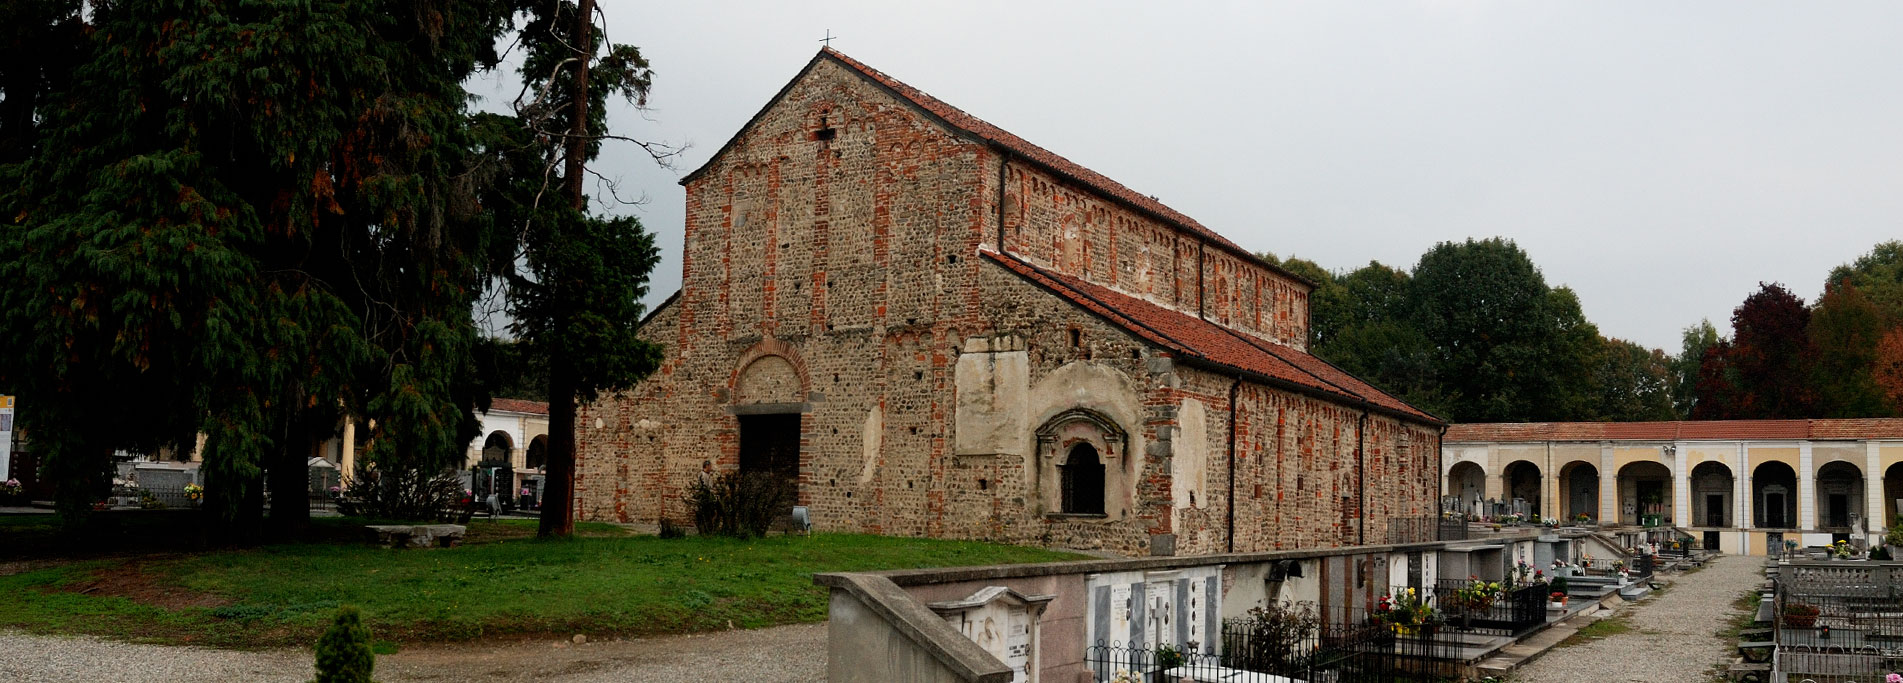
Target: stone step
<point x="1518" y="654"/>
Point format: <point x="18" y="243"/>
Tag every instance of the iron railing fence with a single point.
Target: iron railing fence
<point x="1513" y="612"/>
<point x="1425" y="529"/>
<point x="1637" y="567"/>
<point x="1365" y="650"/>
<point x="1845" y="666"/>
<point x="1839" y="623"/>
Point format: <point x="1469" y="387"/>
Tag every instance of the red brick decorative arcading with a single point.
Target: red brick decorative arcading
<point x="770" y="347"/>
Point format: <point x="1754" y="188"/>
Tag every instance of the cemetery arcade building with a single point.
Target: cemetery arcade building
<point x="940" y="329"/>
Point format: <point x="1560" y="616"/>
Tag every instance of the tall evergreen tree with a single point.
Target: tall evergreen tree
<point x="574" y="279"/>
<point x="243" y="219"/>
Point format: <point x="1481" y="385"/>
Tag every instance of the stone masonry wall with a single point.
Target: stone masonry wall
<point x="830" y="234"/>
<point x="831" y="266"/>
<point x="1074" y="231"/>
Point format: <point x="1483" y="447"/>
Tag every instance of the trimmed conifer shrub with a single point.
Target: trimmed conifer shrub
<point x="343" y="653"/>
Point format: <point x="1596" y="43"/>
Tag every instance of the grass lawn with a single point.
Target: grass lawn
<point x="502" y="582"/>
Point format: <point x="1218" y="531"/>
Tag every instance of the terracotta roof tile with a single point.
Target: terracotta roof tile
<point x="1701" y="430"/>
<point x="1862" y="428"/>
<point x="973" y="125"/>
<point x="1193" y="338"/>
<point x="1745" y="429"/>
<point x="516" y="405"/>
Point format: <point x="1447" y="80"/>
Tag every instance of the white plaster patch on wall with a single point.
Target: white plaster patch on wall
<point x="873" y="436"/>
<point x="992" y="379"/>
<point x="1189" y="456"/>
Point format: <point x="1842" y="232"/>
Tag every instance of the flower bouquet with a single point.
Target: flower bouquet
<point x="1405" y="613"/>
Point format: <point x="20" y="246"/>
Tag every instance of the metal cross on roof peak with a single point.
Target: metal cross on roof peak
<point x="828" y="40"/>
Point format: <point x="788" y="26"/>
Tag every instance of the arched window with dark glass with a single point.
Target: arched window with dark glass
<point x="1082" y="481"/>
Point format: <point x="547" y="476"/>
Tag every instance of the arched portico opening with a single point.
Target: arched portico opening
<point x="538" y="453"/>
<point x="1711" y="495"/>
<point x="1579" y="490"/>
<point x="1523" y="483"/>
<point x="1467" y="483"/>
<point x="1645" y="494"/>
<point x="497" y="447"/>
<point x="1774" y="496"/>
<point x="1839" y="497"/>
<point x="1892" y="494"/>
<point x="494" y="474"/>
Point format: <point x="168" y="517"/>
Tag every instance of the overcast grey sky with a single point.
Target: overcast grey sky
<point x="1659" y="158"/>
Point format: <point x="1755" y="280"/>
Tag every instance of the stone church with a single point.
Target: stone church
<point x="940" y="329"/>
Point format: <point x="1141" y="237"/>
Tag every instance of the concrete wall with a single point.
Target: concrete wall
<point x="879" y="651"/>
<point x="1337" y="582"/>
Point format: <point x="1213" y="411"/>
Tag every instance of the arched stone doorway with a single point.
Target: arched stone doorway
<point x="1774" y="496"/>
<point x="1711" y="495"/>
<point x="1523" y="483"/>
<point x="1839" y="497"/>
<point x="1579" y="490"/>
<point x="769" y="405"/>
<point x="1645" y="494"/>
<point x="1467" y="482"/>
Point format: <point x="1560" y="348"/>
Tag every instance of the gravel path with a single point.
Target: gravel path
<point x="1674" y="640"/>
<point x="787" y="654"/>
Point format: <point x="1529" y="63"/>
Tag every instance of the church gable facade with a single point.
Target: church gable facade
<point x="939" y="329"/>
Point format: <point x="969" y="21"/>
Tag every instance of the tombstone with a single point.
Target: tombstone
<point x="1002" y="621"/>
<point x="1179" y="607"/>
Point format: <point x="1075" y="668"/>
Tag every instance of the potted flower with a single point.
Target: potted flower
<point x="12" y="492"/>
<point x="1556" y="600"/>
<point x="1841" y="550"/>
<point x="1405" y="613"/>
<point x="1800" y="615"/>
<point x="1582" y="518"/>
<point x="194" y="494"/>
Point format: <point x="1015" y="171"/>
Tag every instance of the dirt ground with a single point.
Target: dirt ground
<point x="786" y="654"/>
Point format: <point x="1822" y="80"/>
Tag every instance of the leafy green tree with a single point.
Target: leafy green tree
<point x="1510" y="348"/>
<point x="1698" y="339"/>
<point x="1362" y="321"/>
<point x="1632" y="383"/>
<point x="574" y="280"/>
<point x="1878" y="275"/>
<point x="1845" y="328"/>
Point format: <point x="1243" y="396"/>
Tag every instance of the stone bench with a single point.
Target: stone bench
<point x="418" y="535"/>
